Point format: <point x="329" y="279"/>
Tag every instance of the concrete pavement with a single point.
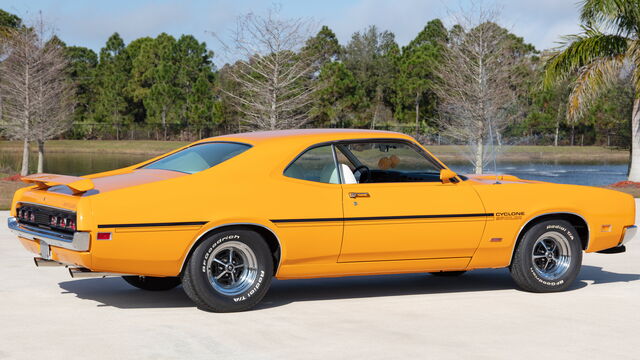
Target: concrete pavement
<point x="45" y="314"/>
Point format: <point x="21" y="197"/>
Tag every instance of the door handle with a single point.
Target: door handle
<point x="354" y="195"/>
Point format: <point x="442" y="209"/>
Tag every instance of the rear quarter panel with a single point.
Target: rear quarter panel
<point x="248" y="189"/>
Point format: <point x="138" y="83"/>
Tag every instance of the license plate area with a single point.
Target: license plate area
<point x="45" y="250"/>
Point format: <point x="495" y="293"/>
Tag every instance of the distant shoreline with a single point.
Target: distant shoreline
<point x="446" y="153"/>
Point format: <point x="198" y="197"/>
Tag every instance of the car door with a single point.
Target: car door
<point x="307" y="210"/>
<point x="398" y="209"/>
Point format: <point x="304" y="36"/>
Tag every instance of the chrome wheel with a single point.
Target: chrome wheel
<point x="232" y="268"/>
<point x="551" y="255"/>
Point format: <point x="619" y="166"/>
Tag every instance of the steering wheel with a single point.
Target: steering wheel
<point x="364" y="173"/>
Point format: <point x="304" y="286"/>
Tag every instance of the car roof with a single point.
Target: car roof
<point x="308" y="135"/>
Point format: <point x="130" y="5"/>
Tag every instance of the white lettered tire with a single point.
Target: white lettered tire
<point x="229" y="271"/>
<point x="548" y="258"/>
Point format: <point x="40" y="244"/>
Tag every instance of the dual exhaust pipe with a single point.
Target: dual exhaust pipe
<point x="75" y="272"/>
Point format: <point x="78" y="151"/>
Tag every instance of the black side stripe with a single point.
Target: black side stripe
<point x="439" y="216"/>
<point x="186" y="223"/>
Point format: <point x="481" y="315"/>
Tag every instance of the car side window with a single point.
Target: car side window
<point x="316" y="164"/>
<point x="382" y="161"/>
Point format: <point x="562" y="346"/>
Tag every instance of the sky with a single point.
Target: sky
<point x="90" y="23"/>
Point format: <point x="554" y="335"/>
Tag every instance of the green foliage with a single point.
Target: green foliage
<point x="413" y="88"/>
<point x="338" y="98"/>
<point x="324" y="46"/>
<point x="82" y="71"/>
<point x="9" y="20"/>
<point x="170" y="84"/>
<point x="372" y="57"/>
<point x="111" y="84"/>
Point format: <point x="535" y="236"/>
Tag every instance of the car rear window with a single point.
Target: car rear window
<point x="198" y="157"/>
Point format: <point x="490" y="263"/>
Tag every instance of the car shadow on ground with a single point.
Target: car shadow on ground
<point x="115" y="292"/>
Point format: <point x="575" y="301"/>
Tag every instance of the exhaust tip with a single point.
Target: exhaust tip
<point x="42" y="262"/>
<point x="83" y="273"/>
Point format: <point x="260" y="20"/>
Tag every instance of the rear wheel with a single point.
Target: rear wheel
<point x="548" y="258"/>
<point x="448" y="273"/>
<point x="152" y="283"/>
<point x="229" y="271"/>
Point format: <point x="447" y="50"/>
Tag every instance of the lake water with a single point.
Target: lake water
<point x="593" y="173"/>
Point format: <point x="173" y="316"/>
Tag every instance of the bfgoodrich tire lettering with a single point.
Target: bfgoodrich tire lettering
<point x="229" y="271"/>
<point x="548" y="258"/>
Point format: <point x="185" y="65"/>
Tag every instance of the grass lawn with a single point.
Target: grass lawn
<point x="115" y="147"/>
<point x="445" y="152"/>
<point x="631" y="190"/>
<point x="7" y="188"/>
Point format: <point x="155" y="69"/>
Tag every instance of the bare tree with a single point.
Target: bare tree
<point x="272" y="80"/>
<point x="37" y="96"/>
<point x="476" y="92"/>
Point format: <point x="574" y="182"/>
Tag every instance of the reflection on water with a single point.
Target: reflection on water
<point x="594" y="173"/>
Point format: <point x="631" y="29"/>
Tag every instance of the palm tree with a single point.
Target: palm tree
<point x="608" y="46"/>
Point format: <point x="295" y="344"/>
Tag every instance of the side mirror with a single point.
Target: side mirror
<point x="446" y="175"/>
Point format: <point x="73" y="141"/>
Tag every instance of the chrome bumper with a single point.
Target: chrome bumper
<point x="628" y="233"/>
<point x="79" y="241"/>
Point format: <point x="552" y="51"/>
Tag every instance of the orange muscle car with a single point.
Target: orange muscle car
<point x="223" y="215"/>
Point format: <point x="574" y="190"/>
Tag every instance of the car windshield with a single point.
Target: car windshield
<point x="198" y="157"/>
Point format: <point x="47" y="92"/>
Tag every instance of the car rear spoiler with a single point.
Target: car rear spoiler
<point x="78" y="185"/>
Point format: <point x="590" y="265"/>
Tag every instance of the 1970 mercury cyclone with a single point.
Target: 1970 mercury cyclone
<point x="224" y="215"/>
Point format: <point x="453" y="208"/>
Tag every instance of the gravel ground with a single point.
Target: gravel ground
<point x="46" y="314"/>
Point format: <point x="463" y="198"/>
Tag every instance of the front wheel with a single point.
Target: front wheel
<point x="548" y="258"/>
<point x="229" y="271"/>
<point x="152" y="283"/>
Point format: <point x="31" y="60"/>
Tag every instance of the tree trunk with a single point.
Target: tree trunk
<point x="479" y="155"/>
<point x="573" y="135"/>
<point x="634" y="167"/>
<point x="40" y="156"/>
<point x="273" y="119"/>
<point x="417" y="112"/>
<point x="555" y="137"/>
<point x="373" y="121"/>
<point x="25" y="158"/>
<point x="164" y="121"/>
<point x="27" y="121"/>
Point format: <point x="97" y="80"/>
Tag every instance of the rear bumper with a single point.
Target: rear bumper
<point x="79" y="241"/>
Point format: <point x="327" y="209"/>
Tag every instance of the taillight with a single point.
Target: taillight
<point x="71" y="225"/>
<point x="63" y="222"/>
<point x="53" y="221"/>
<point x="32" y="216"/>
